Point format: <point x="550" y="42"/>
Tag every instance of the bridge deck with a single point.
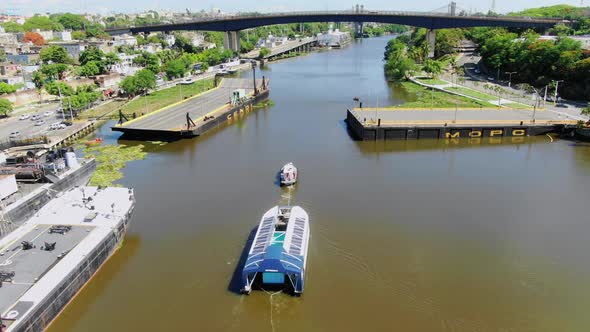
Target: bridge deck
<point x="173" y="118"/>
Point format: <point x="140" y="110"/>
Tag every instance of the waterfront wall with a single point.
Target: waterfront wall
<point x="405" y="132"/>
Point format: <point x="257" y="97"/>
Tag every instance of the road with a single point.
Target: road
<point x="571" y="109"/>
<point x="27" y="127"/>
<point x="175" y="117"/>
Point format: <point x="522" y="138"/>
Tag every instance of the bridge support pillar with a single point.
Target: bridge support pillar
<point x="358" y="29"/>
<point x="231" y="40"/>
<point x="431" y="42"/>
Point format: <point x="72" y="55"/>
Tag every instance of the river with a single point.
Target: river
<point x="405" y="236"/>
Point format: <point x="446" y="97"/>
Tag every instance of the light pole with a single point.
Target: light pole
<point x="556" y="87"/>
<point x="536" y="102"/>
<point x="510" y="77"/>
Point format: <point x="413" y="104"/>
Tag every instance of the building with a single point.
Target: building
<point x="62" y="35"/>
<point x="9" y="69"/>
<point x="271" y="41"/>
<point x="152" y="48"/>
<point x="334" y="38"/>
<point x="126" y="66"/>
<point x="111" y="80"/>
<point x="7" y="38"/>
<point x="170" y="40"/>
<point x="12" y="80"/>
<point x="73" y="48"/>
<point x="124" y="40"/>
<point x="23" y="58"/>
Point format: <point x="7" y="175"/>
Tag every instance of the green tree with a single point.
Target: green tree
<point x="397" y="63"/>
<point x="5" y="107"/>
<point x="263" y="52"/>
<point x="53" y="71"/>
<point x="12" y="27"/>
<point x="78" y="35"/>
<point x="42" y="23"/>
<point x="145" y="80"/>
<point x="91" y="68"/>
<point x="432" y="67"/>
<point x="175" y="68"/>
<point x="95" y="30"/>
<point x="183" y="44"/>
<point x="149" y="61"/>
<point x="129" y="85"/>
<point x="55" y="87"/>
<point x="2" y="55"/>
<point x="111" y="59"/>
<point x="72" y="21"/>
<point x="54" y="53"/>
<point x="92" y="53"/>
<point x="7" y="88"/>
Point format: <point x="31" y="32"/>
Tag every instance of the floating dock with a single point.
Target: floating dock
<point x="197" y="114"/>
<point x="46" y="261"/>
<point x="402" y="124"/>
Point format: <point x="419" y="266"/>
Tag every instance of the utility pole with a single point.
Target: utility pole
<point x="545" y="97"/>
<point x="254" y="77"/>
<point x="61" y="104"/>
<point x="556" y="87"/>
<point x="510" y="77"/>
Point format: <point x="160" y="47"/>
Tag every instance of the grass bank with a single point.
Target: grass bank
<point x="472" y="93"/>
<point x="158" y="99"/>
<point x="421" y="97"/>
<point x="431" y="81"/>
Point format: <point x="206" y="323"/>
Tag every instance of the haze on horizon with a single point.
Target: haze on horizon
<point x="29" y="7"/>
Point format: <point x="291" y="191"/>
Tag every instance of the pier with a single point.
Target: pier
<point x="197" y="114"/>
<point x="401" y="124"/>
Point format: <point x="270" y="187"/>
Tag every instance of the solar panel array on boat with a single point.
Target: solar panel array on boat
<point x="297" y="239"/>
<point x="264" y="235"/>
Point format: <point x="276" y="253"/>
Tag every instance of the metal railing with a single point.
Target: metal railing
<point x="348" y="13"/>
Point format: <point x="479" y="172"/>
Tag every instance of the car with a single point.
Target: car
<point x="15" y="134"/>
<point x="35" y="117"/>
<point x="67" y="123"/>
<point x="24" y="117"/>
<point x="562" y="105"/>
<point x="477" y="71"/>
<point x="490" y="78"/>
<point x="48" y="113"/>
<point x="39" y="123"/>
<point x="57" y="126"/>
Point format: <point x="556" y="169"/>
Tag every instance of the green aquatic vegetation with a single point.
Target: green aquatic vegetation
<point x="264" y="104"/>
<point x="110" y="160"/>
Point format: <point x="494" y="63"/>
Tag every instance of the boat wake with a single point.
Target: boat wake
<point x="272" y="294"/>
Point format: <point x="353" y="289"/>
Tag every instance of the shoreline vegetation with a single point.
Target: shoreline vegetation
<point x="427" y="98"/>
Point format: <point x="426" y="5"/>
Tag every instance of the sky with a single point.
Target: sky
<point x="29" y="7"/>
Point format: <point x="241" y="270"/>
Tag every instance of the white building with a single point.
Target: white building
<point x="271" y="41"/>
<point x="62" y="35"/>
<point x="170" y="40"/>
<point x="73" y="48"/>
<point x="150" y="48"/>
<point x="335" y="38"/>
<point x="126" y="66"/>
<point x="124" y="40"/>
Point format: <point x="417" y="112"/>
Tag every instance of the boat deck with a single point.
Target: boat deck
<point x="79" y="228"/>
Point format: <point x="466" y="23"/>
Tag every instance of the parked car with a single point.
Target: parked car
<point x="24" y="117"/>
<point x="48" y="113"/>
<point x="477" y="71"/>
<point x="57" y="126"/>
<point x="490" y="78"/>
<point x="39" y="123"/>
<point x="35" y="117"/>
<point x="67" y="123"/>
<point x="15" y="134"/>
<point x="562" y="105"/>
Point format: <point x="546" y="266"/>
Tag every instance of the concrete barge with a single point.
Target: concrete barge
<point x="403" y="124"/>
<point x="198" y="114"/>
<point x="46" y="261"/>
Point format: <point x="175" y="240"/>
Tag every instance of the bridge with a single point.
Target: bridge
<point x="231" y="25"/>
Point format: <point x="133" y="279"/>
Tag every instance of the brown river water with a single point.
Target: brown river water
<point x="405" y="236"/>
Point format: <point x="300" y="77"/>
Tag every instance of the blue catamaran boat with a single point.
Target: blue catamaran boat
<point x="278" y="255"/>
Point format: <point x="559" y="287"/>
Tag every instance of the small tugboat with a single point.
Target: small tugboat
<point x="288" y="174"/>
<point x="278" y="254"/>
